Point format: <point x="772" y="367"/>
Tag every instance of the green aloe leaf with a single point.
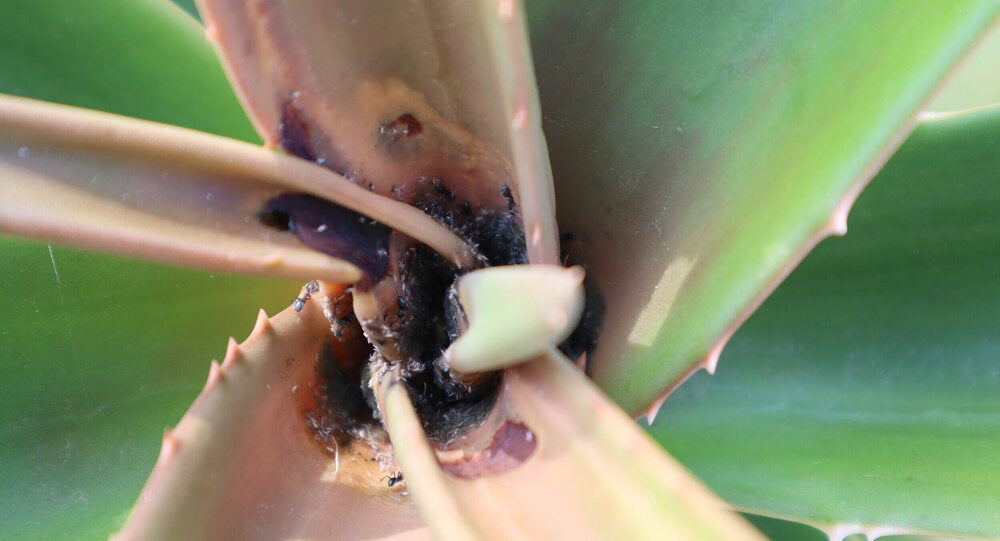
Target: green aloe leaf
<point x="99" y="354"/>
<point x="90" y="56"/>
<point x="700" y="148"/>
<point x="976" y="82"/>
<point x="866" y="389"/>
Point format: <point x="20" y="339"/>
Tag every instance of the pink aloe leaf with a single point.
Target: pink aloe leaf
<point x="386" y="93"/>
<point x="174" y="195"/>
<point x="564" y="462"/>
<point x="243" y="463"/>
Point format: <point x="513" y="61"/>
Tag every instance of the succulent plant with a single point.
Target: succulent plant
<point x="424" y="383"/>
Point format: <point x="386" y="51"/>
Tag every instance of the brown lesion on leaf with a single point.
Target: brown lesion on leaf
<point x="512" y="444"/>
<point x="389" y="136"/>
<point x="404" y="126"/>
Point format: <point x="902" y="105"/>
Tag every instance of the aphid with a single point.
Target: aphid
<point x="300" y="302"/>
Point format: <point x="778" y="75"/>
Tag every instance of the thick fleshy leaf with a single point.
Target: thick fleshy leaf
<point x="867" y="389"/>
<point x="536" y="305"/>
<point x="86" y="54"/>
<point x="188" y="6"/>
<point x="388" y="92"/>
<point x="976" y="81"/>
<point x="112" y="183"/>
<point x="100" y="353"/>
<point x="242" y="463"/>
<point x="700" y="149"/>
<point x="564" y="463"/>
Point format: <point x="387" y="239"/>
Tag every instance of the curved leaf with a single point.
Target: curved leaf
<point x="89" y="55"/>
<point x="976" y="81"/>
<point x="386" y="93"/>
<point x="699" y="149"/>
<point x="114" y="183"/>
<point x="865" y="391"/>
<point x="585" y="469"/>
<point x="242" y="465"/>
<point x="100" y="353"/>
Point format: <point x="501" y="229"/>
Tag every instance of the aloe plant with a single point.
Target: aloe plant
<point x="698" y="153"/>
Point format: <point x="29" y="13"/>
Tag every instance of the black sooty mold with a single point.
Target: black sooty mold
<point x="425" y="318"/>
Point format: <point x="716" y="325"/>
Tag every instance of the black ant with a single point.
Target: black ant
<point x="300" y="302"/>
<point x="394" y="479"/>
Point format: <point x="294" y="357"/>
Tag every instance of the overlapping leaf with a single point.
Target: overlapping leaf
<point x="700" y="148"/>
<point x="865" y="391"/>
<point x="99" y="353"/>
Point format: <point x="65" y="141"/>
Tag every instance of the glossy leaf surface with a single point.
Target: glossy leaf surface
<point x="88" y="55"/>
<point x="976" y="81"/>
<point x="866" y="389"/>
<point x="700" y="148"/>
<point x="99" y="354"/>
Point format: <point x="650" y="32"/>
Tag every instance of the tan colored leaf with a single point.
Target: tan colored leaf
<point x="169" y="194"/>
<point x="389" y="92"/>
<point x="589" y="472"/>
<point x="243" y="464"/>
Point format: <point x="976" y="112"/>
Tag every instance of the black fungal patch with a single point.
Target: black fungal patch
<point x="426" y="317"/>
<point x="426" y="327"/>
<point x="424" y="279"/>
<point x="429" y="316"/>
<point x="509" y="196"/>
<point x="344" y="412"/>
<point x="341" y="398"/>
<point x="584" y="338"/>
<point x="496" y="235"/>
<point x="445" y="412"/>
<point x="332" y="229"/>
